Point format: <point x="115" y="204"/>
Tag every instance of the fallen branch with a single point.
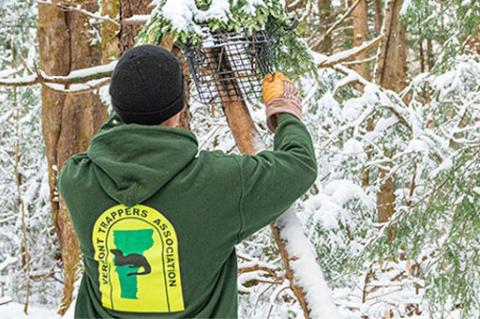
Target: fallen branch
<point x="350" y="54"/>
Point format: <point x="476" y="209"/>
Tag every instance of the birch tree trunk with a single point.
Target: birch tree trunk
<point x="68" y="121"/>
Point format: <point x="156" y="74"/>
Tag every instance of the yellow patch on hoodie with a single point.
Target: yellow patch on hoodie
<point x="138" y="261"/>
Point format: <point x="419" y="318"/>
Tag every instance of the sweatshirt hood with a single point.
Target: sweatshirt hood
<point x="133" y="162"/>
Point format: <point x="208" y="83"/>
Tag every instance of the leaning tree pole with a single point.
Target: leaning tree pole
<point x="250" y="142"/>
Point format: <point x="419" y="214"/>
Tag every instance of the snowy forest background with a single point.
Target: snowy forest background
<point x="393" y="105"/>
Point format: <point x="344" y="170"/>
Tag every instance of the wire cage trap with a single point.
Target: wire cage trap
<point x="229" y="66"/>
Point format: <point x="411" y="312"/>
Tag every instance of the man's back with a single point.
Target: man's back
<point x="158" y="223"/>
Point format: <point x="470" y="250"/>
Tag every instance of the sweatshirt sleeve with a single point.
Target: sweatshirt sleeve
<point x="271" y="181"/>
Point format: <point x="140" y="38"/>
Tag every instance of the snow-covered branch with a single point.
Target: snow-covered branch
<point x="137" y="19"/>
<point x="350" y="54"/>
<point x="75" y="77"/>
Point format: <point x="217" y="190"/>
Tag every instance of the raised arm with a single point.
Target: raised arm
<point x="272" y="180"/>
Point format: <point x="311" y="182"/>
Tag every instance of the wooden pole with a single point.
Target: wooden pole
<point x="249" y="142"/>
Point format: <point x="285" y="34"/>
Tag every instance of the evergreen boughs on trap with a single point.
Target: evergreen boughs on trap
<point x="194" y="23"/>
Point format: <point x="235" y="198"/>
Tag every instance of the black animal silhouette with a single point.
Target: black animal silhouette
<point x="134" y="260"/>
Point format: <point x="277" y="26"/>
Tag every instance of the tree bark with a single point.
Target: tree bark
<point x="128" y="32"/>
<point x="391" y="75"/>
<point x="422" y="56"/>
<point x="429" y="54"/>
<point x="326" y="16"/>
<point x="393" y="49"/>
<point x="378" y="16"/>
<point x="109" y="30"/>
<point x="68" y="122"/>
<point x="361" y="35"/>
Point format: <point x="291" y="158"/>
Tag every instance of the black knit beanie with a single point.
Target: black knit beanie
<point x="147" y="85"/>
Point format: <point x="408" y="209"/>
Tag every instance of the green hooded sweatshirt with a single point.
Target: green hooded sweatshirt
<point x="158" y="221"/>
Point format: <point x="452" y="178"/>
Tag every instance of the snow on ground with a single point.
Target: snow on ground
<point x="13" y="310"/>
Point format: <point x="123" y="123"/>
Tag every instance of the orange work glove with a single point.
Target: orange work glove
<point x="280" y="96"/>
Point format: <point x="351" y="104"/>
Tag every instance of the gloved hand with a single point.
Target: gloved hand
<point x="280" y="96"/>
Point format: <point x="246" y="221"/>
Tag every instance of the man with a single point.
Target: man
<point x="157" y="222"/>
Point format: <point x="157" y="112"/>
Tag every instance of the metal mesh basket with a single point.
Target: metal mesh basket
<point x="229" y="66"/>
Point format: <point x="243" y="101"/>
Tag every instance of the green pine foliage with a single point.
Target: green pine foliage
<point x="289" y="52"/>
<point x="449" y="25"/>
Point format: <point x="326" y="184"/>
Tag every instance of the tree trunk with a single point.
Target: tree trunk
<point x="128" y="32"/>
<point x="393" y="49"/>
<point x="391" y="75"/>
<point x="378" y="16"/>
<point x="326" y="16"/>
<point x="429" y="54"/>
<point x="361" y="35"/>
<point x="422" y="56"/>
<point x="386" y="196"/>
<point x="109" y="30"/>
<point x="68" y="121"/>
